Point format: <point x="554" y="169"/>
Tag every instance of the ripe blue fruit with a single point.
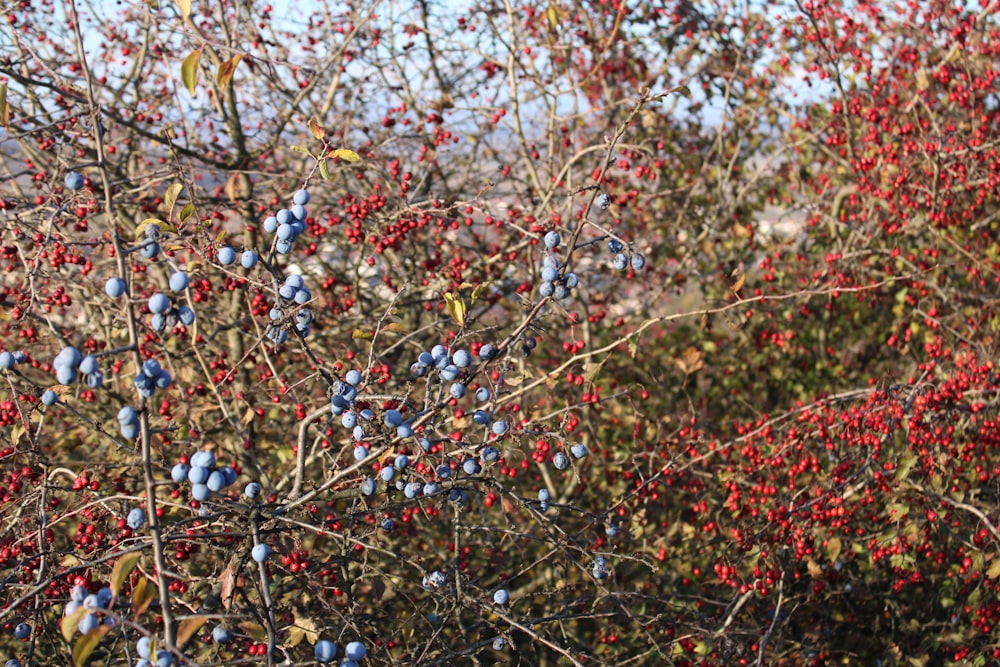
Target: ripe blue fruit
<point x="579" y="450"/>
<point x="185" y="315"/>
<point x="301" y="197"/>
<point x="303" y="295"/>
<point x="221" y="635"/>
<point x="163" y="379"/>
<point x="549" y="274"/>
<point x="360" y="453"/>
<point x="164" y="659"/>
<point x="359" y="432"/>
<point x="500" y="427"/>
<point x="198" y="474"/>
<point x="226" y="255"/>
<point x="560" y="461"/>
<point x="404" y="430"/>
<point x="462" y="358"/>
<point x="114" y="288"/>
<point x="439" y="352"/>
<point x="159" y="303"/>
<point x="368" y="486"/>
<point x="552" y="239"/>
<point x="252" y="490"/>
<point x="443" y="471"/>
<point x="179" y="473"/>
<point x="620" y="262"/>
<point x="502" y="596"/>
<point x="6" y="360"/>
<point x="388" y="474"/>
<point x="88" y="623"/>
<point x="425" y="444"/>
<point x="412" y="490"/>
<point x="299" y="212"/>
<point x="248" y="259"/>
<point x="604" y="201"/>
<point x="450" y="373"/>
<point x="49" y="397"/>
<point x="471" y="467"/>
<point x="22" y="631"/>
<point x="561" y="292"/>
<point x="68" y="356"/>
<point x="200" y="492"/>
<point x="489" y="454"/>
<point x="498" y="644"/>
<point x="129" y="431"/>
<point x="353" y="377"/>
<point x="388" y="524"/>
<point x="65" y="375"/>
<point x="136" y="518"/>
<point x="393" y="418"/>
<point x="284" y="217"/>
<point x="179" y="281"/>
<point x="402" y="462"/>
<point x="425" y="358"/>
<point x="142" y="647"/>
<point x="430" y="488"/>
<point x="571" y="280"/>
<point x="418" y="370"/>
<point x="287" y="292"/>
<point x="216" y="481"/>
<point x="325" y="650"/>
<point x="487" y="351"/>
<point x="73" y="180"/>
<point x="94" y="380"/>
<point x="349" y="420"/>
<point x="270" y="224"/>
<point x="260" y="552"/>
<point x="203" y="459"/>
<point x="483" y="394"/>
<point x="546" y="289"/>
<point x="355" y="651"/>
<point x="88" y="364"/>
<point x="150" y="250"/>
<point x="285" y="232"/>
<point x="544" y="495"/>
<point x="638" y="261"/>
<point x="457" y="390"/>
<point x="481" y="417"/>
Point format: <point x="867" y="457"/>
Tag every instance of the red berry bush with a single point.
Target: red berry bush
<point x="597" y="333"/>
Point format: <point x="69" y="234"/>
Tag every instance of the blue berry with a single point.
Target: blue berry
<point x="252" y="490"/>
<point x="349" y="420"/>
<point x="498" y="644"/>
<point x="285" y="232"/>
<point x="368" y="486"/>
<point x="179" y="473"/>
<point x="159" y="303"/>
<point x="638" y="261"/>
<point x="88" y="365"/>
<point x="284" y="217"/>
<point x="65" y="375"/>
<point x="22" y="631"/>
<point x="301" y="197"/>
<point x="136" y="518"/>
<point x="393" y="418"/>
<point x="404" y="430"/>
<point x="129" y="431"/>
<point x="579" y="450"/>
<point x="216" y="481"/>
<point x="560" y="461"/>
<point x="248" y="259"/>
<point x="260" y="552"/>
<point x="388" y="525"/>
<point x="550" y="274"/>
<point x="360" y="453"/>
<point x="561" y="292"/>
<point x="552" y="240"/>
<point x="501" y="597"/>
<point x="500" y="427"/>
<point x="270" y="224"/>
<point x="226" y="255"/>
<point x="325" y="650"/>
<point x="355" y="651"/>
<point x="185" y="315"/>
<point x="546" y="289"/>
<point x="200" y="492"/>
<point x="353" y="377"/>
<point x="471" y="467"/>
<point x="481" y="417"/>
<point x="114" y="288"/>
<point x="73" y="180"/>
<point x="450" y="373"/>
<point x="127" y="415"/>
<point x="487" y="352"/>
<point x="412" y="490"/>
<point x="457" y="390"/>
<point x="142" y="647"/>
<point x="150" y="249"/>
<point x="462" y="358"/>
<point x="6" y="360"/>
<point x="198" y="474"/>
<point x="299" y="212"/>
<point x="571" y="280"/>
<point x="483" y="394"/>
<point x="388" y="474"/>
<point x="615" y="246"/>
<point x="179" y="281"/>
<point x="544" y="495"/>
<point x="489" y="454"/>
<point x="604" y="201"/>
<point x="221" y="635"/>
<point x="88" y="623"/>
<point x="620" y="262"/>
<point x="402" y="462"/>
<point x="49" y="398"/>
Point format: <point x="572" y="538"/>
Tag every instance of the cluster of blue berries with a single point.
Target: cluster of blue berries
<point x="292" y="293"/>
<point x="203" y="475"/>
<point x="622" y="260"/>
<point x="326" y="651"/>
<point x="81" y="599"/>
<point x="150" y="378"/>
<point x="555" y="282"/>
<point x="164" y="315"/>
<point x="143" y="649"/>
<point x="561" y="461"/>
<point x="10" y="359"/>
<point x="288" y="223"/>
<point x="70" y="364"/>
<point x="226" y="256"/>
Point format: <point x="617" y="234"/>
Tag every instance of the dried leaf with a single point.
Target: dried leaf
<point x="316" y="129"/>
<point x="690" y="361"/>
<point x="552" y="16"/>
<point x="143" y="594"/>
<point x="188" y="629"/>
<point x="189" y="70"/>
<point x="255" y="630"/>
<point x="226" y="71"/>
<point x="683" y="91"/>
<point x="238" y="187"/>
<point x="86" y="644"/>
<point x="122" y="569"/>
<point x="345" y="155"/>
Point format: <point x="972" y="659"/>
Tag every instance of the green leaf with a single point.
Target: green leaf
<point x="345" y="155"/>
<point x="300" y="149"/>
<point x="121" y="570"/>
<point x="324" y="171"/>
<point x="4" y="109"/>
<point x="185" y="212"/>
<point x="170" y="198"/>
<point x="189" y="70"/>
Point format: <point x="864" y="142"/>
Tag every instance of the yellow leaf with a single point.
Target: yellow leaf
<point x="479" y="290"/>
<point x="142" y="596"/>
<point x="295" y="636"/>
<point x="16" y="433"/>
<point x="316" y="129"/>
<point x="300" y="149"/>
<point x="189" y="70"/>
<point x="185" y="212"/>
<point x="255" y="630"/>
<point x="171" y="195"/>
<point x="552" y="15"/>
<point x="188" y="628"/>
<point x="226" y="70"/>
<point x="140" y="229"/>
<point x="362" y="335"/>
<point x="86" y="644"/>
<point x="395" y="327"/>
<point x="345" y="155"/>
<point x="4" y="109"/>
<point x="456" y="307"/>
<point x="121" y="570"/>
<point x="185" y="7"/>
